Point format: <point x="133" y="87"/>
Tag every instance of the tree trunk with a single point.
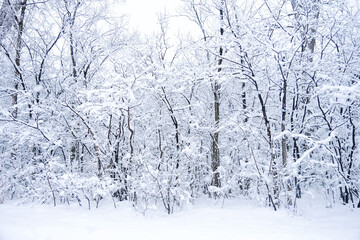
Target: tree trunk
<point x="20" y="29"/>
<point x="283" y="123"/>
<point x="216" y="91"/>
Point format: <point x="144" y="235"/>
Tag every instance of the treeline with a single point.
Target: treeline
<point x="262" y="103"/>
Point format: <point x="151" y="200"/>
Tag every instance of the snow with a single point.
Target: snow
<point x="233" y="219"/>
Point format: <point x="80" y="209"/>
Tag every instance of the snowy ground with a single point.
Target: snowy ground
<point x="237" y="219"/>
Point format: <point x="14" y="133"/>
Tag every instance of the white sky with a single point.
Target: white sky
<point x="143" y="15"/>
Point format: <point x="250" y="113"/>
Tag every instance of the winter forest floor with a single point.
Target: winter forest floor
<point x="231" y="219"/>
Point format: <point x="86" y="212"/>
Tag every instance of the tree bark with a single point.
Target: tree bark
<point x="216" y="91"/>
<point x="20" y="28"/>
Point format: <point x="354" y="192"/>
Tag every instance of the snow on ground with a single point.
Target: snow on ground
<point x="236" y="219"/>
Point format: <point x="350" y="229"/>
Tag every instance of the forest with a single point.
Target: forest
<point x="262" y="103"/>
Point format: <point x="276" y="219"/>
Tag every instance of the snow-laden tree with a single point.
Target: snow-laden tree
<point x="262" y="102"/>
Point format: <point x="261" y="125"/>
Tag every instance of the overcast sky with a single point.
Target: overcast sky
<point x="143" y="15"/>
